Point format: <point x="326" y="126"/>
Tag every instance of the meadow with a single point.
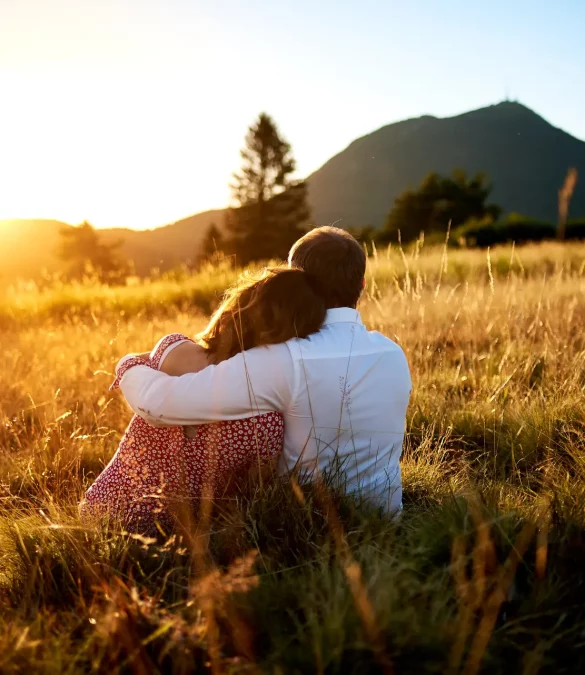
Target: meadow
<point x="483" y="573"/>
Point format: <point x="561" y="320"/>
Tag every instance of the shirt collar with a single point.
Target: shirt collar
<point x="342" y="315"/>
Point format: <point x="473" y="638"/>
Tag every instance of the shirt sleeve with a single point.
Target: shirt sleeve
<point x="258" y="381"/>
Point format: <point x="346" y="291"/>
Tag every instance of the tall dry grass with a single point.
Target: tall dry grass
<point x="482" y="574"/>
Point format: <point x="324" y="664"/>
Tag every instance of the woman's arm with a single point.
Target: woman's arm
<point x="174" y="354"/>
<point x="187" y="357"/>
<point x="177" y="355"/>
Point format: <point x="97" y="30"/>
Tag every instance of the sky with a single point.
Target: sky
<point x="132" y="112"/>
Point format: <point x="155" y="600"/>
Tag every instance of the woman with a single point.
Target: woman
<point x="155" y="471"/>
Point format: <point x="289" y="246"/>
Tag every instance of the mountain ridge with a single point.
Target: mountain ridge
<point x="29" y="246"/>
<point x="507" y="141"/>
<point x="524" y="155"/>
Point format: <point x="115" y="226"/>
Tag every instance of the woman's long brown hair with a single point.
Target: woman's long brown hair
<point x="266" y="308"/>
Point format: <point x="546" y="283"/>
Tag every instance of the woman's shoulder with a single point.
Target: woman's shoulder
<point x="164" y="346"/>
<point x="183" y="357"/>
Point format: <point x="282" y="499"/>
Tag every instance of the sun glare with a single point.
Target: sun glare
<point x="116" y="136"/>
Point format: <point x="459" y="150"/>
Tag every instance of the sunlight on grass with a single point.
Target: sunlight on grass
<point x="482" y="573"/>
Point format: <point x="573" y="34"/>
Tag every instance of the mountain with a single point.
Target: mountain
<point x="525" y="157"/>
<point x="27" y="247"/>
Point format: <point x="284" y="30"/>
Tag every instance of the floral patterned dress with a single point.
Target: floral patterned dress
<point x="157" y="470"/>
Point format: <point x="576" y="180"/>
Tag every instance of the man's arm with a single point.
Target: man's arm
<point x="257" y="381"/>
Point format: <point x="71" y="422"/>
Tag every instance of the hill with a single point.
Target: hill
<point x="525" y="157"/>
<point x="29" y="246"/>
<point x="165" y="247"/>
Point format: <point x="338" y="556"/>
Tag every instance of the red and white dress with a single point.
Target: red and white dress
<point x="156" y="468"/>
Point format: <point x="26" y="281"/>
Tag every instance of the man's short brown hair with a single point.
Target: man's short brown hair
<point x="336" y="262"/>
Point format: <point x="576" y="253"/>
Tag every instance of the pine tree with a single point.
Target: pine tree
<point x="212" y="241"/>
<point x="84" y="254"/>
<point x="272" y="208"/>
<point x="212" y="246"/>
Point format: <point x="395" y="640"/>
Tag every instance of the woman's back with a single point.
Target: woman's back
<point x="156" y="469"/>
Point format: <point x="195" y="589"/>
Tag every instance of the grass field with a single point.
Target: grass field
<point x="484" y="572"/>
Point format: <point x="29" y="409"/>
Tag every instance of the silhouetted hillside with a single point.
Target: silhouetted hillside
<point x="525" y="157"/>
<point x="165" y="247"/>
<point x="27" y="247"/>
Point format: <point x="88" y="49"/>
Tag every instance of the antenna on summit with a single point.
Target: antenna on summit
<point x="507" y="95"/>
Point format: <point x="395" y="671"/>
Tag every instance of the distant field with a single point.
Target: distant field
<point x="410" y="272"/>
<point x="483" y="574"/>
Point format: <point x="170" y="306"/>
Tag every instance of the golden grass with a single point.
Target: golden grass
<point x="496" y="428"/>
<point x="405" y="273"/>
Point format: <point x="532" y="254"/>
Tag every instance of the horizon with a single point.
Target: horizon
<point x="135" y="137"/>
<point x="190" y="215"/>
<point x="144" y="229"/>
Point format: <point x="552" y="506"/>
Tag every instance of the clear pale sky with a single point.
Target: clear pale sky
<point x="132" y="112"/>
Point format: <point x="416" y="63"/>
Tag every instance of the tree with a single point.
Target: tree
<point x="84" y="253"/>
<point x="436" y="203"/>
<point x="212" y="244"/>
<point x="212" y="241"/>
<point x="272" y="207"/>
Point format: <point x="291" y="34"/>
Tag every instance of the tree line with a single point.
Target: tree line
<point x="270" y="211"/>
<point x="457" y="206"/>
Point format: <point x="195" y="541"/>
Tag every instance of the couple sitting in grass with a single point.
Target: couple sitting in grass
<point x="285" y="372"/>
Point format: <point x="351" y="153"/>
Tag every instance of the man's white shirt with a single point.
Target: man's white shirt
<point x="343" y="392"/>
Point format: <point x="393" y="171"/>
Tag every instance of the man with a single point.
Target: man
<point x="343" y="391"/>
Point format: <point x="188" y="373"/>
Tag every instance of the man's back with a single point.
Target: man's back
<point x="343" y="392"/>
<point x="348" y="407"/>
